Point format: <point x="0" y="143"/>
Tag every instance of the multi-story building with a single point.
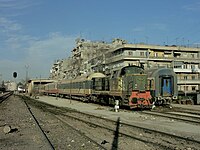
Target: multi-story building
<point x="185" y="62"/>
<point x="79" y="62"/>
<point x="103" y="57"/>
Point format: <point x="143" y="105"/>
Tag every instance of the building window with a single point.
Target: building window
<point x="185" y="66"/>
<point x="141" y="53"/>
<point x="130" y="53"/>
<point x="185" y="88"/>
<point x="192" y="55"/>
<point x="193" y="88"/>
<point x="185" y="77"/>
<point x="193" y="77"/>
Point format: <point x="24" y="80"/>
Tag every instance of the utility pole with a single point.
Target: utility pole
<point x="0" y="79"/>
<point x="40" y="87"/>
<point x="27" y="67"/>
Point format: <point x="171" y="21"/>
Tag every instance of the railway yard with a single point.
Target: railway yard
<point x="99" y="76"/>
<point x="57" y="123"/>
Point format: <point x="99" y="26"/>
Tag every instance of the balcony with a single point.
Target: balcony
<point x="189" y="81"/>
<point x="124" y="57"/>
<point x="187" y="59"/>
<point x="179" y="70"/>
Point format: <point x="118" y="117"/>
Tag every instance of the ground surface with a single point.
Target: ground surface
<point x="134" y="117"/>
<point x="26" y="135"/>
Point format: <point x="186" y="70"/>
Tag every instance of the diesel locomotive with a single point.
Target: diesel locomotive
<point x="128" y="85"/>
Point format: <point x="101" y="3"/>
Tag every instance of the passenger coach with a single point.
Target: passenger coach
<point x="162" y="82"/>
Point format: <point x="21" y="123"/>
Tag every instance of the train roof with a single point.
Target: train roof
<point x="96" y="75"/>
<point x="85" y="77"/>
<point x="159" y="71"/>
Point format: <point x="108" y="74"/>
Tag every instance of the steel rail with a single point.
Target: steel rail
<point x="143" y="128"/>
<point x="120" y="133"/>
<point x="82" y="134"/>
<point x="172" y="116"/>
<point x="5" y="96"/>
<point x="40" y="128"/>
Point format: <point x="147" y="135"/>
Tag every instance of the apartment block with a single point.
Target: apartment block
<point x="88" y="57"/>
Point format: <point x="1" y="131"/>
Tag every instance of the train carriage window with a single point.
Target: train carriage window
<point x="80" y="85"/>
<point x="151" y="84"/>
<point x="89" y="84"/>
<point x="74" y="85"/>
<point x="66" y="86"/>
<point x="93" y="83"/>
<point x="166" y="82"/>
<point x="77" y="85"/>
<point x="123" y="72"/>
<point x="85" y="84"/>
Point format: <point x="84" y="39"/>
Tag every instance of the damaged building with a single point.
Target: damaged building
<point x="89" y="56"/>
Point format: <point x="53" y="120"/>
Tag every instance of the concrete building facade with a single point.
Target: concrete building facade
<point x="104" y="57"/>
<point x="185" y="62"/>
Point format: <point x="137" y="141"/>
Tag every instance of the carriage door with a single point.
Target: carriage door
<point x="166" y="88"/>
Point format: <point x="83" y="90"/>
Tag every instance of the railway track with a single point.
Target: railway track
<point x="45" y="132"/>
<point x="20" y="128"/>
<point x="40" y="128"/>
<point x="189" y="111"/>
<point x="80" y="132"/>
<point x="4" y="96"/>
<point x="151" y="137"/>
<point x="116" y="131"/>
<point x="185" y="117"/>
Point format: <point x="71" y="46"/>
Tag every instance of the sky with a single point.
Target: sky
<point x="35" y="33"/>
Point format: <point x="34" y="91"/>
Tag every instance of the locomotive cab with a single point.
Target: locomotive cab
<point x="131" y="83"/>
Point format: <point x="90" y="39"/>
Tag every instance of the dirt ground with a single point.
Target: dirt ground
<point x="133" y="117"/>
<point x="25" y="134"/>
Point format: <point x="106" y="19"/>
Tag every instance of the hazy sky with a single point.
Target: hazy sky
<point x="35" y="33"/>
